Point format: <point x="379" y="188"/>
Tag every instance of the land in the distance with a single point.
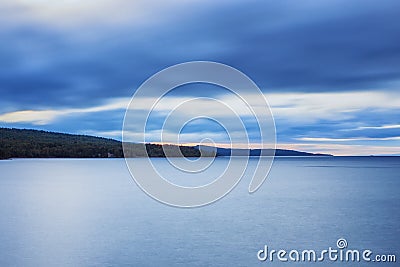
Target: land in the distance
<point x="26" y="143"/>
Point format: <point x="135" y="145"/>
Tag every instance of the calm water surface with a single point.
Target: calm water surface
<point x="79" y="212"/>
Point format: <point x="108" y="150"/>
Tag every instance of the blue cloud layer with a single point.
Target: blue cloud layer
<point x="286" y="46"/>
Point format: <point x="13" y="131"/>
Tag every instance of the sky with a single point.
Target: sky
<point x="330" y="70"/>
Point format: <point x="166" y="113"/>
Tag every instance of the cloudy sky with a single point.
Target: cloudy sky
<point x="330" y="70"/>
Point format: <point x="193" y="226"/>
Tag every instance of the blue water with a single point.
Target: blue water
<point x="79" y="212"/>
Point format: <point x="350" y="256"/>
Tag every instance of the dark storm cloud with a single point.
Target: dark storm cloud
<point x="291" y="46"/>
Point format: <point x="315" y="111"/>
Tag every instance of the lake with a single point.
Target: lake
<point x="84" y="212"/>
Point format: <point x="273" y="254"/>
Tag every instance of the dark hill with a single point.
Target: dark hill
<point x="23" y="143"/>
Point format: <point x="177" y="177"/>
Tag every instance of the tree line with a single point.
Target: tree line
<point x="25" y="143"/>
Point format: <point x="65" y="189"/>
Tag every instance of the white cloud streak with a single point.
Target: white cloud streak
<point x="44" y="117"/>
<point x="395" y="126"/>
<point x="299" y="107"/>
<point x="75" y="13"/>
<point x="323" y="139"/>
<point x="330" y="106"/>
<point x="343" y="149"/>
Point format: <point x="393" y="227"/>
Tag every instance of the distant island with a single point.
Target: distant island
<point x="257" y="152"/>
<point x="26" y="143"/>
